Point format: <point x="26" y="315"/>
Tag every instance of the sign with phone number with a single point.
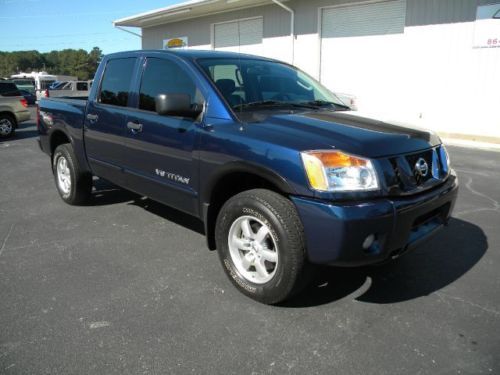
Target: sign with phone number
<point x="494" y="42"/>
<point x="487" y="26"/>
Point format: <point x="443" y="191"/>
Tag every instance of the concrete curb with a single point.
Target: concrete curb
<point x="471" y="144"/>
<point x="470" y="137"/>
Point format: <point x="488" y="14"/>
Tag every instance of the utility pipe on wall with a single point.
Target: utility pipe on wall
<point x="127" y="31"/>
<point x="292" y="25"/>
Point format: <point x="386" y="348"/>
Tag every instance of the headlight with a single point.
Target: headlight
<point x="445" y="159"/>
<point x="337" y="171"/>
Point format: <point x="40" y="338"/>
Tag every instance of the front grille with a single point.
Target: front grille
<point x="415" y="160"/>
<point x="417" y="171"/>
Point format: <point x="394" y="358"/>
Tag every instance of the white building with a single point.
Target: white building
<point x="433" y="63"/>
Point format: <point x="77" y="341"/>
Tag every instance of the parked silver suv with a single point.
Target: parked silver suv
<point x="13" y="109"/>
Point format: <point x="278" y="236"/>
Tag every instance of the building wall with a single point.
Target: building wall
<point x="440" y="81"/>
<point x="199" y="31"/>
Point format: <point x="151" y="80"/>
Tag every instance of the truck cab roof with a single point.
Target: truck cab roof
<point x="191" y="54"/>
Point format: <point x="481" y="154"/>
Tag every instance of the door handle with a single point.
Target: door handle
<point x="134" y="127"/>
<point x="92" y="117"/>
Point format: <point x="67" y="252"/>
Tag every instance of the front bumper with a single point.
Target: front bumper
<point x="335" y="233"/>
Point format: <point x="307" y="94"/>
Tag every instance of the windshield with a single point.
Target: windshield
<point x="250" y="84"/>
<point x="24" y="82"/>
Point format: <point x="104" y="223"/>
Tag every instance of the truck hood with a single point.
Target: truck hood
<point x="349" y="131"/>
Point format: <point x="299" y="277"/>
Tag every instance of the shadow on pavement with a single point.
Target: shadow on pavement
<point x="23" y="131"/>
<point x="24" y="135"/>
<point x="445" y="258"/>
<point x="106" y="193"/>
<point x="170" y="214"/>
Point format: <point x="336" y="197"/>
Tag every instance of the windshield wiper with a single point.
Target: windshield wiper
<point x="261" y="103"/>
<point x="274" y="103"/>
<point x="324" y="103"/>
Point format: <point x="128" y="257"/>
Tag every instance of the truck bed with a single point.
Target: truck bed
<point x="71" y="109"/>
<point x="67" y="114"/>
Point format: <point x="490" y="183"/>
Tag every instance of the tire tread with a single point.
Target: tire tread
<point x="286" y="214"/>
<point x="82" y="183"/>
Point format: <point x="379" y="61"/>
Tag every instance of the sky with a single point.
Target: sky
<point x="47" y="25"/>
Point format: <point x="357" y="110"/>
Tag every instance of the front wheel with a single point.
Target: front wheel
<point x="73" y="185"/>
<point x="260" y="241"/>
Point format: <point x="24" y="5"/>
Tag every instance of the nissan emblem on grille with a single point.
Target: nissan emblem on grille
<point x="421" y="169"/>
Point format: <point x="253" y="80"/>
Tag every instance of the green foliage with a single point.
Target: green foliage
<point x="71" y="62"/>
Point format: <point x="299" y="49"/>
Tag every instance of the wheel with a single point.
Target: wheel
<point x="260" y="241"/>
<point x="7" y="126"/>
<point x="73" y="185"/>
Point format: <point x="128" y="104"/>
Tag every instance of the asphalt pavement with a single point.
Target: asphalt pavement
<point x="127" y="286"/>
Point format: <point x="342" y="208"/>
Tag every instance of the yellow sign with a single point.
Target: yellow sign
<point x="181" y="42"/>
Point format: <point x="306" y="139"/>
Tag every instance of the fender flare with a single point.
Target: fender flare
<point x="245" y="167"/>
<point x="234" y="167"/>
<point x="55" y="131"/>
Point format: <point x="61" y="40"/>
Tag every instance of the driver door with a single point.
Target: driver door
<point x="160" y="163"/>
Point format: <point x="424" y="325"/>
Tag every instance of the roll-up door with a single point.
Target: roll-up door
<point x="361" y="48"/>
<point x="239" y="36"/>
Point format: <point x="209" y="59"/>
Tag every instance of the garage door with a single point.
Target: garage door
<point x="239" y="36"/>
<point x="361" y="49"/>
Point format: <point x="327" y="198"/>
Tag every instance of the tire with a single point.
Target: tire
<point x="7" y="126"/>
<point x="73" y="185"/>
<point x="245" y="249"/>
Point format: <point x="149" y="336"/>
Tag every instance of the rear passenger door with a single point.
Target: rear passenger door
<point x="160" y="161"/>
<point x="106" y="120"/>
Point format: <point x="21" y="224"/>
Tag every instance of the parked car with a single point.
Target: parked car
<point x="26" y="84"/>
<point x="348" y="99"/>
<point x="57" y="85"/>
<point x="69" y="89"/>
<point x="13" y="109"/>
<point x="42" y="80"/>
<point x="30" y="97"/>
<point x="281" y="173"/>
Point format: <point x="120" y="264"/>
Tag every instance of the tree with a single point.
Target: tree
<point x="72" y="62"/>
<point x="95" y="57"/>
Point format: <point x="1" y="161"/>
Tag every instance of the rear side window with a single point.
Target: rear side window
<point x="82" y="86"/>
<point x="116" y="82"/>
<point x="165" y="77"/>
<point x="9" y="89"/>
<point x="44" y="84"/>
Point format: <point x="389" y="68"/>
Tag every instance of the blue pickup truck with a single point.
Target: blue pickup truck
<point x="283" y="175"/>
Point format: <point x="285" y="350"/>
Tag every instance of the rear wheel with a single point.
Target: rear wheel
<point x="73" y="185"/>
<point x="260" y="242"/>
<point x="7" y="126"/>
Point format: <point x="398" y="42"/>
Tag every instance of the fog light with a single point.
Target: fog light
<point x="368" y="241"/>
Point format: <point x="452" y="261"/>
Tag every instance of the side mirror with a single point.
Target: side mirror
<point x="176" y="105"/>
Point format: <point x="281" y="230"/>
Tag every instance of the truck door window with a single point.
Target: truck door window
<point x="165" y="77"/>
<point x="115" y="84"/>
